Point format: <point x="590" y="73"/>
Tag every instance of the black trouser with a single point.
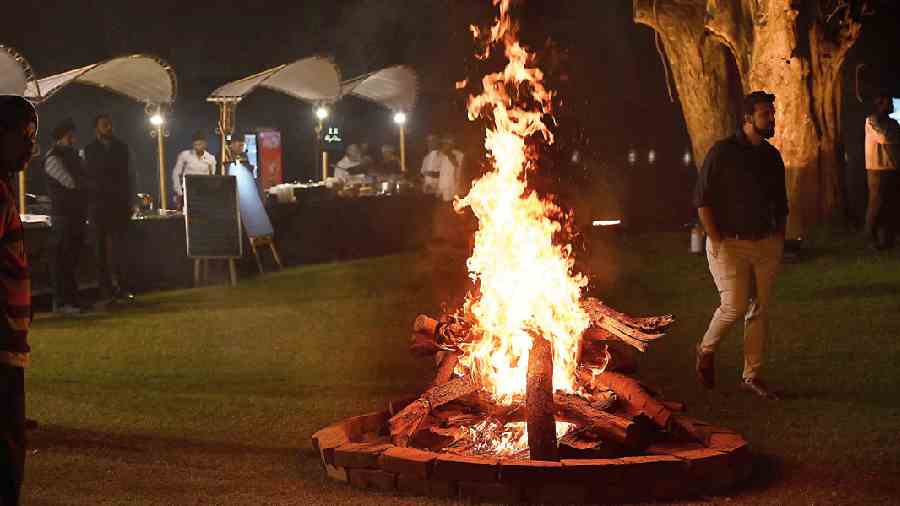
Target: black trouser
<point x="880" y="215"/>
<point x="110" y="258"/>
<point x="12" y="433"/>
<point x="68" y="239"/>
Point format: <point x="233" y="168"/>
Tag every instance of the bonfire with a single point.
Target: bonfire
<point x="524" y="364"/>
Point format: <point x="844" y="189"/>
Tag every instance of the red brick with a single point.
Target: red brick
<point x="359" y="455"/>
<point x="408" y="461"/>
<point x="443" y="488"/>
<point x="336" y="473"/>
<point x="522" y="470"/>
<point x="412" y="484"/>
<point x="710" y="470"/>
<point x="463" y="468"/>
<point x="654" y="476"/>
<point x="396" y="405"/>
<point x="329" y="438"/>
<point x="354" y="427"/>
<point x="739" y="457"/>
<point x="375" y="423"/>
<point x="553" y="492"/>
<point x="373" y="479"/>
<point x="494" y="492"/>
<point x="672" y="447"/>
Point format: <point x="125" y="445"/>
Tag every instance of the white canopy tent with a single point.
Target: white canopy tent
<point x="15" y="72"/>
<point x="396" y="88"/>
<point x="144" y="78"/>
<point x="314" y="80"/>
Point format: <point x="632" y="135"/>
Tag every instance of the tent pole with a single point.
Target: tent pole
<point x="21" y="177"/>
<point x="161" y="154"/>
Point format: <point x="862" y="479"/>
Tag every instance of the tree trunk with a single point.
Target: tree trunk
<point x="794" y="49"/>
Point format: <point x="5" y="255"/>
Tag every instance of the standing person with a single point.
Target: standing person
<point x="742" y="203"/>
<point x="192" y="161"/>
<point x="66" y="184"/>
<point x="882" y="153"/>
<point x="107" y="163"/>
<point x="450" y="179"/>
<point x="431" y="170"/>
<point x="18" y="129"/>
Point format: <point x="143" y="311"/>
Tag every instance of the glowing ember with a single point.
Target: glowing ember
<point x="525" y="281"/>
<point x="510" y="440"/>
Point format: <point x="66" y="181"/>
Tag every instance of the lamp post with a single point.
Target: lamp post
<point x="225" y="128"/>
<point x="157" y="117"/>
<point x="321" y="116"/>
<point x="400" y="120"/>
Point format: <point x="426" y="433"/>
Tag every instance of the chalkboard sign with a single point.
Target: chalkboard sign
<point x="212" y="217"/>
<point x="253" y="213"/>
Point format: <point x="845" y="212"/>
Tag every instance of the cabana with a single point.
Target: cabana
<point x="144" y="78"/>
<point x="315" y="80"/>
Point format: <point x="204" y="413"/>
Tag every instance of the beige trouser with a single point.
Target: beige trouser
<point x="744" y="272"/>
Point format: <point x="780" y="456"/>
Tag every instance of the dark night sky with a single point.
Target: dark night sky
<point x="606" y="68"/>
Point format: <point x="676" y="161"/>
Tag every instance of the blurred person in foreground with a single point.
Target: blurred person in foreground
<point x="18" y="130"/>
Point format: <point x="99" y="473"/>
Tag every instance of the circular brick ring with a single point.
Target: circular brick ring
<point x="358" y="451"/>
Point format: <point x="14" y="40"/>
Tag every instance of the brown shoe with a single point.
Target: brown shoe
<point x="706" y="368"/>
<point x="758" y="387"/>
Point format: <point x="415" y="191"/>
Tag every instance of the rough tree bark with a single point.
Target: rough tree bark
<point x="793" y="48"/>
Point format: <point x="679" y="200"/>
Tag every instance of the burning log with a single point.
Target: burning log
<point x="539" y="401"/>
<point x="610" y="427"/>
<point x="608" y="324"/>
<point x="445" y="369"/>
<point x="405" y="423"/>
<point x="650" y="324"/>
<point x="635" y="399"/>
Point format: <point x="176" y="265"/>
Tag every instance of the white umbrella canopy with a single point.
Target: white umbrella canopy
<point x="315" y="79"/>
<point x="396" y="88"/>
<point x="144" y="78"/>
<point x="15" y="72"/>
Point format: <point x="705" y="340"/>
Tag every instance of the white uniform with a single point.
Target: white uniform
<point x="190" y="164"/>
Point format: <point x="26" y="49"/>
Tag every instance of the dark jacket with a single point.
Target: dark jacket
<point x="70" y="202"/>
<point x="112" y="192"/>
<point x="745" y="187"/>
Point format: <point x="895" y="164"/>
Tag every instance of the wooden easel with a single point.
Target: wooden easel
<point x="261" y="242"/>
<point x="201" y="271"/>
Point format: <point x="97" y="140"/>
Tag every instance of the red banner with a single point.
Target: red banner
<point x="271" y="172"/>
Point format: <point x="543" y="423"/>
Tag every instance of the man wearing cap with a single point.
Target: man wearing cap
<point x="742" y="203"/>
<point x="66" y="184"/>
<point x="18" y="130"/>
<point x="112" y="205"/>
<point x="192" y="161"/>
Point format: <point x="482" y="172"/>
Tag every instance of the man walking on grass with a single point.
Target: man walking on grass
<point x="882" y="153"/>
<point x="742" y="203"/>
<point x="18" y="129"/>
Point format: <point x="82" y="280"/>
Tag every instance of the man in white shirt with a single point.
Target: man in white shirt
<point x="191" y="162"/>
<point x="882" y="153"/>
<point x="431" y="169"/>
<point x="450" y="180"/>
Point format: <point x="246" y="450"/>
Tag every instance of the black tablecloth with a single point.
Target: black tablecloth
<point x="316" y="230"/>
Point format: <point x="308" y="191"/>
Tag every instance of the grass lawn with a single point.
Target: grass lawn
<point x="209" y="396"/>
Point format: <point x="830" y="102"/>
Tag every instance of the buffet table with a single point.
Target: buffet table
<point x="322" y="229"/>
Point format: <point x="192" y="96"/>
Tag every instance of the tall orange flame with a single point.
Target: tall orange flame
<point x="526" y="283"/>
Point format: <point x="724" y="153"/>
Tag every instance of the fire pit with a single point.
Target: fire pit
<point x="616" y="440"/>
<point x="532" y="398"/>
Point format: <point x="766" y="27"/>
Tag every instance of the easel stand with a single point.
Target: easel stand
<point x="261" y="242"/>
<point x="201" y="270"/>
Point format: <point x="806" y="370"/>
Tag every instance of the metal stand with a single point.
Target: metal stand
<point x="261" y="242"/>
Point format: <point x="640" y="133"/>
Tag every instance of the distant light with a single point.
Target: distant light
<point x="400" y="118"/>
<point x="632" y="156"/>
<point x="157" y="119"/>
<point x="687" y="157"/>
<point x="322" y="112"/>
<point x="606" y="223"/>
<point x="651" y="156"/>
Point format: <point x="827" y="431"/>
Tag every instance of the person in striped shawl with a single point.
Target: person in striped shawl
<point x="18" y="130"/>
